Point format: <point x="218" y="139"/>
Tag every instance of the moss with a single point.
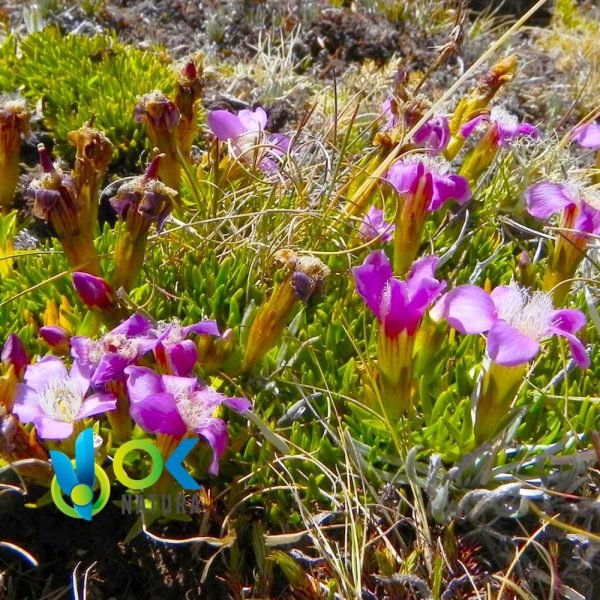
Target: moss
<point x="78" y="77"/>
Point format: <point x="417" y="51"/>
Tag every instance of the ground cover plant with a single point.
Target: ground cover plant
<point x="313" y="316"/>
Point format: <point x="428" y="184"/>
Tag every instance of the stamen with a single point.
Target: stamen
<point x="503" y="117"/>
<point x="61" y="399"/>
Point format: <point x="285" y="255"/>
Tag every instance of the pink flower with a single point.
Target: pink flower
<point x="374" y="225"/>
<point x="505" y="125"/>
<point x="514" y="319"/>
<point x="174" y="406"/>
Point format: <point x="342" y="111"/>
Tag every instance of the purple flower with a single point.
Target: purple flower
<point x="398" y="305"/>
<point x="581" y="206"/>
<point x="434" y="134"/>
<point x="374" y="225"/>
<point x="13" y="353"/>
<point x="505" y="126"/>
<point x="514" y="319"/>
<point x="108" y="357"/>
<point x="429" y="178"/>
<point x="178" y="405"/>
<point x="174" y="351"/>
<point x="93" y="291"/>
<point x="587" y="135"/>
<point x="53" y="399"/>
<point x="245" y="131"/>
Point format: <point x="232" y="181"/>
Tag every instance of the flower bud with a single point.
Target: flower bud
<point x="161" y="118"/>
<point x="93" y="291"/>
<point x="93" y="154"/>
<point x="188" y="92"/>
<point x="14" y="124"/>
<point x="303" y="277"/>
<point x="55" y="199"/>
<point x="14" y="354"/>
<point x="56" y="337"/>
<point x="139" y="203"/>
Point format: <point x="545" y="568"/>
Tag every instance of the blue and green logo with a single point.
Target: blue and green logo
<point x="79" y="479"/>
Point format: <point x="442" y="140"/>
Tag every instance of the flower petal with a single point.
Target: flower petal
<point x="468" y="309"/>
<point x="111" y="368"/>
<point x="588" y="135"/>
<point x="467" y="129"/>
<point x="237" y="404"/>
<point x="157" y="413"/>
<point x="449" y="187"/>
<point x="141" y="383"/>
<point x="136" y="325"/>
<point x="404" y="176"/>
<point x="588" y="219"/>
<point x="214" y="431"/>
<point x="528" y="129"/>
<point x="508" y="347"/>
<point x="253" y="120"/>
<point x="27" y="405"/>
<point x="395" y="312"/>
<point x="568" y="320"/>
<point x="38" y="375"/>
<point x="371" y="278"/>
<point x="578" y="349"/>
<point x="97" y="404"/>
<point x="49" y="429"/>
<point x="206" y="327"/>
<point x="80" y="348"/>
<point x="224" y="125"/>
<point x="545" y="199"/>
<point x="80" y="375"/>
<point x="434" y="134"/>
<point x="182" y="357"/>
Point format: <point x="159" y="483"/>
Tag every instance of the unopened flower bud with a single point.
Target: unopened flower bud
<point x="14" y="124"/>
<point x="14" y="353"/>
<point x="55" y="199"/>
<point x="161" y="117"/>
<point x="303" y="277"/>
<point x="139" y="203"/>
<point x="56" y="337"/>
<point x="93" y="291"/>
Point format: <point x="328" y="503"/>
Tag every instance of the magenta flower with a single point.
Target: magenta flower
<point x="374" y="225"/>
<point x="429" y="178"/>
<point x="176" y="352"/>
<point x="176" y="406"/>
<point x="515" y="321"/>
<point x="53" y="399"/>
<point x="14" y="353"/>
<point x="546" y="199"/>
<point x="434" y="135"/>
<point x="397" y="305"/>
<point x="245" y="131"/>
<point x="108" y="357"/>
<point x="505" y="126"/>
<point x="587" y="135"/>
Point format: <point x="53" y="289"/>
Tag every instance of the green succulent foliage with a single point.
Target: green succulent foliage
<point x="79" y="77"/>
